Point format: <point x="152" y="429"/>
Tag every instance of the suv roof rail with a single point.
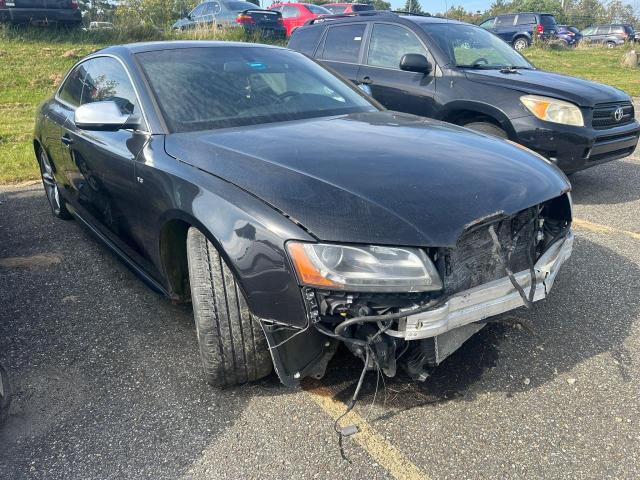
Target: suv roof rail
<point x="402" y="12"/>
<point x="338" y="16"/>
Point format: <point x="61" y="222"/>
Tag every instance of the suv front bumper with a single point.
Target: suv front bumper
<point x="486" y="300"/>
<point x="576" y="148"/>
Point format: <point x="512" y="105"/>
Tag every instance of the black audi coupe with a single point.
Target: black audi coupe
<point x="293" y="211"/>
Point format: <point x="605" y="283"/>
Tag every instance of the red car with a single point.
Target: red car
<point x="295" y="15"/>
<point x="339" y="8"/>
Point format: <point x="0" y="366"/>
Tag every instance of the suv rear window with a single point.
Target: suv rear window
<point x="342" y="44"/>
<point x="305" y="40"/>
<point x="548" y="21"/>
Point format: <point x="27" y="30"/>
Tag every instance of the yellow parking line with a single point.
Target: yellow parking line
<point x="385" y="454"/>
<point x="598" y="228"/>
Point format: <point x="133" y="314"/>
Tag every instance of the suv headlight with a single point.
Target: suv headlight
<point x="363" y="268"/>
<point x="553" y="110"/>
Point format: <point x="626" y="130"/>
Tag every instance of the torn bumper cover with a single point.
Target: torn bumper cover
<point x="486" y="300"/>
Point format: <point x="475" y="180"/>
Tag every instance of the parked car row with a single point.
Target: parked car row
<point x="520" y="29"/>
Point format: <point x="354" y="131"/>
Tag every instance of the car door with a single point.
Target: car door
<point x="396" y="89"/>
<point x="601" y="34"/>
<point x="290" y="17"/>
<point x="104" y="187"/>
<point x="341" y="49"/>
<point x="588" y="34"/>
<point x="505" y="27"/>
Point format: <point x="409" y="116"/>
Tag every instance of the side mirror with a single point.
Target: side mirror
<point x="414" y="62"/>
<point x="105" y="116"/>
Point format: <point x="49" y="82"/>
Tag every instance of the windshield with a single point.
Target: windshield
<point x="205" y="88"/>
<point x="473" y="47"/>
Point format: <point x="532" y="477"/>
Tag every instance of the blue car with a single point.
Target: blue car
<point x="519" y="29"/>
<point x="570" y="35"/>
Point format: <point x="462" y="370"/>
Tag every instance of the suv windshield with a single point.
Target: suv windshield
<point x="205" y="88"/>
<point x="468" y="46"/>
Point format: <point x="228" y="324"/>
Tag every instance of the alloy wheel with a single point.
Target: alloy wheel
<point x="520" y="44"/>
<point x="50" y="187"/>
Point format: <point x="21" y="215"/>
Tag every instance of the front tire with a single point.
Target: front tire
<point x="57" y="203"/>
<point x="233" y="348"/>
<point x="488" y="128"/>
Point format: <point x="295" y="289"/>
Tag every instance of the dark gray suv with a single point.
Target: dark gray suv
<point x="609" y="35"/>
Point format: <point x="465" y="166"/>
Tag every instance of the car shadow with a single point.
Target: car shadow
<point x="608" y="184"/>
<point x="523" y="349"/>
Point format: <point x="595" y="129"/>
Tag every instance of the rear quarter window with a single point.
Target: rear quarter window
<point x="548" y="21"/>
<point x="305" y="40"/>
<point x="526" y="19"/>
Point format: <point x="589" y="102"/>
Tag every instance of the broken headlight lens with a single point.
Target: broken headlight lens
<point x="553" y="110"/>
<point x="364" y="268"/>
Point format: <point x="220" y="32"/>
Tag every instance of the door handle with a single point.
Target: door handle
<point x="66" y="140"/>
<point x="366" y="81"/>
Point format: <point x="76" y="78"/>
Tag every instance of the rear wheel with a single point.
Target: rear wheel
<point x="611" y="44"/>
<point x="233" y="348"/>
<point x="5" y="395"/>
<point x="488" y="128"/>
<point x="520" y="43"/>
<point x="58" y="205"/>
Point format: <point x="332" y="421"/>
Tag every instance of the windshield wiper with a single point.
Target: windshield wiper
<point x="479" y="66"/>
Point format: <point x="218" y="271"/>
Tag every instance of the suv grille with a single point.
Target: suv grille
<point x="471" y="262"/>
<point x="604" y="114"/>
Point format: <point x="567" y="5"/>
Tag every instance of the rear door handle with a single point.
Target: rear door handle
<point x="66" y="140"/>
<point x="366" y="81"/>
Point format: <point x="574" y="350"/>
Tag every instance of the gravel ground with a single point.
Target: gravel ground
<point x="108" y="385"/>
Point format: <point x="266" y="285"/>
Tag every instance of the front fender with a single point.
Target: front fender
<point x="452" y="109"/>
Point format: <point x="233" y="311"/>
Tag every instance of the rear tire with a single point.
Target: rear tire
<point x="5" y="395"/>
<point x="233" y="348"/>
<point x="488" y="128"/>
<point x="521" y="43"/>
<point x="611" y="44"/>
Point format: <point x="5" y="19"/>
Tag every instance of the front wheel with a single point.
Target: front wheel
<point x="233" y="348"/>
<point x="58" y="204"/>
<point x="488" y="128"/>
<point x="520" y="43"/>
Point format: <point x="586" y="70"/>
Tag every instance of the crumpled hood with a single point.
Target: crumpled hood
<point x="382" y="177"/>
<point x="581" y="92"/>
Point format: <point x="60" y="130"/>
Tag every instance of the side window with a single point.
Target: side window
<point x="505" y="20"/>
<point x="215" y="8"/>
<point x="589" y="31"/>
<point x="342" y="44"/>
<point x="289" y="12"/>
<point x="305" y="40"/>
<point x="488" y="23"/>
<point x="617" y="29"/>
<point x="106" y="79"/>
<point x="208" y="9"/>
<point x="389" y="43"/>
<point x="71" y="91"/>
<point x="198" y="11"/>
<point x="526" y="19"/>
<point x="602" y="30"/>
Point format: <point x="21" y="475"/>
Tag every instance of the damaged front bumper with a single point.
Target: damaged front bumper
<point x="486" y="300"/>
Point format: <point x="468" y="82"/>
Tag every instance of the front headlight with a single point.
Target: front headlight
<point x="364" y="268"/>
<point x="553" y="110"/>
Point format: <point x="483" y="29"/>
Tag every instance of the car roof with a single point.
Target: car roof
<point x="177" y="44"/>
<point x="367" y="16"/>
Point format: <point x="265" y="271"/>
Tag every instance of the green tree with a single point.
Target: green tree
<point x="413" y="6"/>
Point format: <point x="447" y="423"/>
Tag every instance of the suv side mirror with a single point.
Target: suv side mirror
<point x="104" y="116"/>
<point x="414" y="62"/>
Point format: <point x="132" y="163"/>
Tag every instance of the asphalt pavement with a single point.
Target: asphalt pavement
<point x="108" y="384"/>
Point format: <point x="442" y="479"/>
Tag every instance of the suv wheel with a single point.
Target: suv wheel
<point x="233" y="348"/>
<point x="520" y="43"/>
<point x="488" y="128"/>
<point x="611" y="44"/>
